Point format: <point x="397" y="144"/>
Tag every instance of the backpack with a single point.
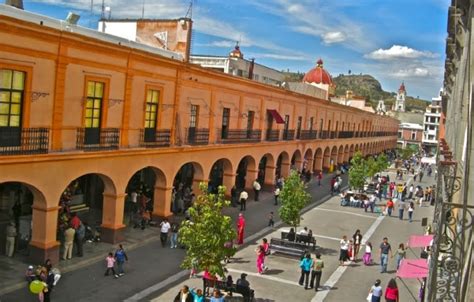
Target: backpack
<point x="120" y="255"/>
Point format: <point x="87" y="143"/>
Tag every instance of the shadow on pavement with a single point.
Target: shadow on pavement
<point x="273" y="272"/>
<point x="326" y="251"/>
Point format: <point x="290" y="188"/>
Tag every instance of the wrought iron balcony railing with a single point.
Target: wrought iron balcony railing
<point x="96" y="139"/>
<point x="236" y="136"/>
<point x="308" y="134"/>
<point x="273" y="135"/>
<point x="197" y="136"/>
<point x="153" y="138"/>
<point x="20" y="141"/>
<point x="288" y="135"/>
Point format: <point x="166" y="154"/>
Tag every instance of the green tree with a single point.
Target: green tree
<point x="357" y="171"/>
<point x="206" y="234"/>
<point x="382" y="162"/>
<point x="293" y="199"/>
<point x="372" y="167"/>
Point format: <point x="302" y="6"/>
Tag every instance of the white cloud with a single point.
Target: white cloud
<point x="399" y="52"/>
<point x="416" y="72"/>
<point x="333" y="37"/>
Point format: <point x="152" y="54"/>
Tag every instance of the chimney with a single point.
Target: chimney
<point x="15" y="3"/>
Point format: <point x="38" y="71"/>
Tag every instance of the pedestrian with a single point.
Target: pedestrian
<point x="333" y="182"/>
<point x="357" y="240"/>
<point x="411" y="209"/>
<point x="410" y="191"/>
<point x="68" y="242"/>
<point x="120" y="257"/>
<point x="320" y="177"/>
<point x="317" y="272"/>
<point x="10" y="240"/>
<point x="277" y="194"/>
<point x="184" y="295"/>
<point x="391" y="292"/>
<point x="385" y="252"/>
<point x="260" y="258"/>
<point x="401" y="209"/>
<point x="266" y="250"/>
<point x="217" y="296"/>
<point x="305" y="264"/>
<point x="174" y="235"/>
<point x="368" y="254"/>
<point x="110" y="261"/>
<point x="240" y="229"/>
<point x="343" y="253"/>
<point x="256" y="189"/>
<point x="376" y="292"/>
<point x="234" y="196"/>
<point x="390" y="207"/>
<point x="79" y="238"/>
<point x="421" y="175"/>
<point x="401" y="253"/>
<point x="243" y="200"/>
<point x="197" y="295"/>
<point x="194" y="268"/>
<point x="270" y="219"/>
<point x="165" y="227"/>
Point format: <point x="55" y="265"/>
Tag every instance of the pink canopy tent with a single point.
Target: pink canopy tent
<point x="420" y="240"/>
<point x="413" y="269"/>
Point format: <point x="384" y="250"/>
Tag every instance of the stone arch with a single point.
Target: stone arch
<point x="221" y="174"/>
<point x="189" y="174"/>
<point x="155" y="180"/>
<point x="346" y="154"/>
<point x="318" y="160"/>
<point x="283" y="165"/>
<point x="326" y="159"/>
<point x="267" y="170"/>
<point x="296" y="160"/>
<point x="246" y="172"/>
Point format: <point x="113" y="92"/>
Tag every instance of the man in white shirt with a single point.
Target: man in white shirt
<point x="165" y="227"/>
<point x="256" y="188"/>
<point x="243" y="200"/>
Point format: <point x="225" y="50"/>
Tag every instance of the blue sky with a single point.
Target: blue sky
<point x="393" y="40"/>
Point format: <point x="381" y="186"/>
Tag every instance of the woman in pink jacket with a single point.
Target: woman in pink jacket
<point x="391" y="292"/>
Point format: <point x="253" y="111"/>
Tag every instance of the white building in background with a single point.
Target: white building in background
<point x="236" y="65"/>
<point x="401" y="98"/>
<point x="431" y="120"/>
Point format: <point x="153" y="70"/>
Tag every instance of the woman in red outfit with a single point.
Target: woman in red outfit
<point x="391" y="293"/>
<point x="240" y="229"/>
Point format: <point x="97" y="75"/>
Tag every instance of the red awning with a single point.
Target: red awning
<point x="420" y="240"/>
<point x="413" y="269"/>
<point x="276" y="116"/>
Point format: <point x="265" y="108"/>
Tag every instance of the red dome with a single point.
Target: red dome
<point x="236" y="53"/>
<point x="318" y="75"/>
<point x="402" y="88"/>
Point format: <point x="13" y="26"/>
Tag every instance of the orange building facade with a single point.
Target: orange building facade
<point x="73" y="106"/>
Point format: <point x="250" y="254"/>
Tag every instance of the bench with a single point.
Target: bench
<point x="285" y="247"/>
<point x="246" y="292"/>
<point x="306" y="239"/>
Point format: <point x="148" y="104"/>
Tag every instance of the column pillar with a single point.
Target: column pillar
<point x="309" y="164"/>
<point x="249" y="178"/>
<point x="270" y="176"/>
<point x="44" y="244"/>
<point x="228" y="181"/>
<point x="196" y="183"/>
<point x="162" y="202"/>
<point x="298" y="165"/>
<point x="285" y="169"/>
<point x="112" y="218"/>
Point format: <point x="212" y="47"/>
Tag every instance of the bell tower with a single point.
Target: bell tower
<point x="400" y="101"/>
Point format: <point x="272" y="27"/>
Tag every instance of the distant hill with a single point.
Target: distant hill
<point x="367" y="86"/>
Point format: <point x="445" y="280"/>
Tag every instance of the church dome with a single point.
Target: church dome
<point x="318" y="75"/>
<point x="402" y="88"/>
<point x="236" y="53"/>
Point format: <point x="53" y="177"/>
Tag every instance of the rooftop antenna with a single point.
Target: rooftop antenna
<point x="143" y="9"/>
<point x="92" y="13"/>
<point x="189" y="13"/>
<point x="102" y="14"/>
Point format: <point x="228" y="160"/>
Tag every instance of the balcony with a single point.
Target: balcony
<point x="308" y="134"/>
<point x="288" y="135"/>
<point x="97" y="139"/>
<point x="273" y="135"/>
<point x="332" y="134"/>
<point x="18" y="141"/>
<point x="236" y="136"/>
<point x="197" y="136"/>
<point x="152" y="138"/>
<point x="346" y="134"/>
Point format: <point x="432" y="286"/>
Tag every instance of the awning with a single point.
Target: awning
<point x="413" y="269"/>
<point x="276" y="116"/>
<point x="420" y="240"/>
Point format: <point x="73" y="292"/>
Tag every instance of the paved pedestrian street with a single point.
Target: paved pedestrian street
<point x="329" y="223"/>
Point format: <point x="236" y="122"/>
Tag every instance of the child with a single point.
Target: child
<point x="197" y="295"/>
<point x="368" y="254"/>
<point x="376" y="291"/>
<point x="411" y="208"/>
<point x="194" y="269"/>
<point x="270" y="219"/>
<point x="110" y="265"/>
